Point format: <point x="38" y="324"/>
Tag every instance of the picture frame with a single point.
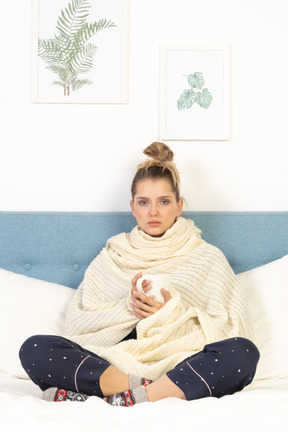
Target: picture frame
<point x="195" y="92"/>
<point x="80" y="51"/>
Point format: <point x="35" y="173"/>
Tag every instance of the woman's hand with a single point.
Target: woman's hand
<point x="143" y="305"/>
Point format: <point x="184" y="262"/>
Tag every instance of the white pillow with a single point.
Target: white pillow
<point x="266" y="288"/>
<point x="28" y="307"/>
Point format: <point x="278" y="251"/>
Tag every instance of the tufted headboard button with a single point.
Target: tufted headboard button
<point x="27" y="267"/>
<point x="76" y="267"/>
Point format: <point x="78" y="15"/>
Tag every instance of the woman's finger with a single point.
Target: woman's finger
<point x="166" y="295"/>
<point x="142" y="298"/>
<point x="146" y="285"/>
<point x="134" y="281"/>
<point x="139" y="313"/>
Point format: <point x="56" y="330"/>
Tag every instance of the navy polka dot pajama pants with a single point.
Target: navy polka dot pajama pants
<point x="220" y="369"/>
<point x="53" y="361"/>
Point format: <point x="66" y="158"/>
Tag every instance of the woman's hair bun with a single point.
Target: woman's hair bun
<point x="160" y="165"/>
<point x="160" y="152"/>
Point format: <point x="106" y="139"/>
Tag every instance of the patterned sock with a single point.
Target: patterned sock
<point x="54" y="394"/>
<point x="135" y="381"/>
<point x="128" y="397"/>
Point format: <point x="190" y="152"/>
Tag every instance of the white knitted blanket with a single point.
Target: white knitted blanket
<point x="207" y="303"/>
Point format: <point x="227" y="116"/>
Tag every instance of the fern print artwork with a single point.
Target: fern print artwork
<point x="194" y="94"/>
<point x="69" y="54"/>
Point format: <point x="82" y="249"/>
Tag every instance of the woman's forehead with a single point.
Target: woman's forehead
<point x="153" y="187"/>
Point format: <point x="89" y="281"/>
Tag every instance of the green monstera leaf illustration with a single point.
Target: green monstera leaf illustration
<point x="193" y="95"/>
<point x="196" y="80"/>
<point x="204" y="99"/>
<point x="187" y="99"/>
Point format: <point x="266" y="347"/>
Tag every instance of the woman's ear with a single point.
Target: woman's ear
<point x="132" y="207"/>
<point x="180" y="206"/>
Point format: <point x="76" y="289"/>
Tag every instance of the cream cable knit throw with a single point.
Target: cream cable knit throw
<point x="207" y="303"/>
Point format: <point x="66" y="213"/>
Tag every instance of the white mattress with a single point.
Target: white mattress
<point x="263" y="406"/>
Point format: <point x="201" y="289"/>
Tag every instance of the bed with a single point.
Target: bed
<point x="43" y="257"/>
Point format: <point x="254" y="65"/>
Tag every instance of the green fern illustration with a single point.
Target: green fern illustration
<point x="70" y="53"/>
<point x="193" y="94"/>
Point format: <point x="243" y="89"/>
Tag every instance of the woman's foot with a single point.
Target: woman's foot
<point x="53" y="394"/>
<point x="128" y="397"/>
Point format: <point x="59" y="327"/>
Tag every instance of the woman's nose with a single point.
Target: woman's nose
<point x="153" y="209"/>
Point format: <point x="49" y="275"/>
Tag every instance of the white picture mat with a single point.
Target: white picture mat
<point x="195" y="123"/>
<point x="110" y="66"/>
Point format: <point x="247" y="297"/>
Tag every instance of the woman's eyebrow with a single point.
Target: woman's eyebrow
<point x="146" y="198"/>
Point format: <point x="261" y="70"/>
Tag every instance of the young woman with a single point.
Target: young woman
<point x="194" y="344"/>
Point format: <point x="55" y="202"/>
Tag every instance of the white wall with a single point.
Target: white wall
<point x="83" y="157"/>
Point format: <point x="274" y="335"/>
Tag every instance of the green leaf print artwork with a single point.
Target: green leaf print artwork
<point x="194" y="95"/>
<point x="70" y="53"/>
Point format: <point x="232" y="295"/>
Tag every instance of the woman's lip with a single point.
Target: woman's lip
<point x="154" y="223"/>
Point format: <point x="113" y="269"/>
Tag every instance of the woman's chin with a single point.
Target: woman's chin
<point x="154" y="232"/>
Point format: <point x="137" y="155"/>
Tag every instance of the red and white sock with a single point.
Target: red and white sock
<point x="128" y="397"/>
<point x="135" y="381"/>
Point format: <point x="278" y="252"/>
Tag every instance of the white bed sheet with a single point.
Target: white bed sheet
<point x="263" y="406"/>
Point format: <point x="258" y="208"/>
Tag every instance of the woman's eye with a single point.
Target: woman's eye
<point x="143" y="203"/>
<point x="164" y="202"/>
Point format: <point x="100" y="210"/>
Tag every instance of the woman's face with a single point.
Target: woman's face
<point x="155" y="206"/>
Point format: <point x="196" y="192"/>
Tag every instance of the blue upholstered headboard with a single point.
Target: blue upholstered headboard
<point x="57" y="247"/>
